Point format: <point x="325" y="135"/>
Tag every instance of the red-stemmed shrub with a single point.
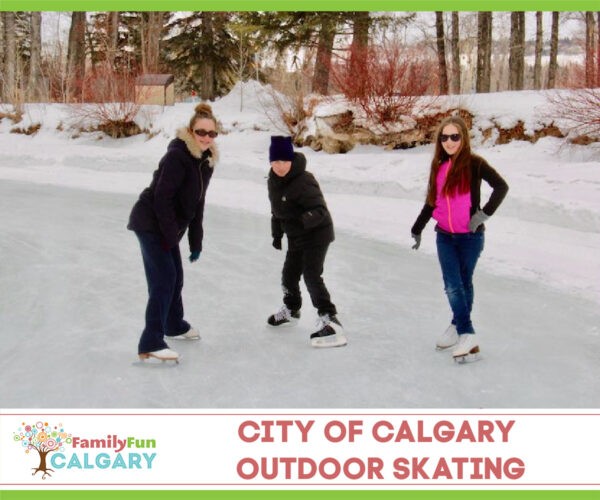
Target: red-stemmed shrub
<point x="385" y="81"/>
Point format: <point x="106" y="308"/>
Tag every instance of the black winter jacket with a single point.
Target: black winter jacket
<point x="298" y="207"/>
<point x="480" y="169"/>
<point x="175" y="198"/>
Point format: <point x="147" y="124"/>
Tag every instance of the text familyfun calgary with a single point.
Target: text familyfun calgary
<point x="111" y="452"/>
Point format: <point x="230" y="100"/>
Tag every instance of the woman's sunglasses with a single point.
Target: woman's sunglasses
<point x="452" y="137"/>
<point x="200" y="132"/>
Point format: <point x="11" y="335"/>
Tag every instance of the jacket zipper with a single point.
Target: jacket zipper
<point x="448" y="201"/>
<point x="449" y="214"/>
<point x="201" y="179"/>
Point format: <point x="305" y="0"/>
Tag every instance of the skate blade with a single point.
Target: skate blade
<point x="440" y="348"/>
<point x="469" y="357"/>
<point x="338" y="341"/>
<point x="184" y="338"/>
<point x="148" y="357"/>
<point x="290" y="323"/>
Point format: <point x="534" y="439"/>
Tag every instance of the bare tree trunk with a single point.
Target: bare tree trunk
<point x="113" y="38"/>
<point x="590" y="76"/>
<point x="2" y="53"/>
<point x="207" y="85"/>
<point x="241" y="66"/>
<point x="539" y="45"/>
<point x="516" y="58"/>
<point x="360" y="38"/>
<point x="441" y="53"/>
<point x="156" y="26"/>
<point x="35" y="78"/>
<point x="76" y="55"/>
<point x="9" y="86"/>
<point x="455" y="54"/>
<point x="553" y="64"/>
<point x="484" y="51"/>
<point x="151" y="29"/>
<point x="144" y="41"/>
<point x="320" y="83"/>
<point x="488" y="45"/>
<point x="598" y="49"/>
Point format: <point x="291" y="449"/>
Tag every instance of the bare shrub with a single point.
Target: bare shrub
<point x="110" y="104"/>
<point x="385" y="81"/>
<point x="579" y="111"/>
<point x="55" y="77"/>
<point x="13" y="106"/>
<point x="31" y="130"/>
<point x="287" y="103"/>
<point x="289" y="110"/>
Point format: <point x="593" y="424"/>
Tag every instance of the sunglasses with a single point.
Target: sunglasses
<point x="452" y="137"/>
<point x="200" y="132"/>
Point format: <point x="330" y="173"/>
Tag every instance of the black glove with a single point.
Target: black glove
<point x="277" y="243"/>
<point x="417" y="238"/>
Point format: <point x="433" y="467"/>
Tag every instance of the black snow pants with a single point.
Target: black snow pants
<point x="308" y="262"/>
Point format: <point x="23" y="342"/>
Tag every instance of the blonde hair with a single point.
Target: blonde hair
<point x="202" y="110"/>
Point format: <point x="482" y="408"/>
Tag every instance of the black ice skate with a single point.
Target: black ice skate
<point x="283" y="316"/>
<point x="330" y="333"/>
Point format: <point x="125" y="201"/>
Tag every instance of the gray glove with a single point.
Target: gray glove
<point x="478" y="218"/>
<point x="417" y="238"/>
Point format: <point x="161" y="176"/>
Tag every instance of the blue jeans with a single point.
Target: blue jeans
<point x="164" y="275"/>
<point x="458" y="255"/>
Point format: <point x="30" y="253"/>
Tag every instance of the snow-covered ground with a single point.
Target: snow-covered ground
<point x="73" y="289"/>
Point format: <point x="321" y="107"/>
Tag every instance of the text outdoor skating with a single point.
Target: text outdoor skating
<point x="396" y="440"/>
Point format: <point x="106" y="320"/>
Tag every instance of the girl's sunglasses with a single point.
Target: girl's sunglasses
<point x="200" y="132"/>
<point x="452" y="137"/>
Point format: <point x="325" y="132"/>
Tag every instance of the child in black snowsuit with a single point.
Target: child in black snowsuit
<point x="299" y="210"/>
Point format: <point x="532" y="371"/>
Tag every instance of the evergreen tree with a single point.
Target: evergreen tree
<point x="17" y="42"/>
<point x="106" y="40"/>
<point x="312" y="36"/>
<point x="201" y="52"/>
<point x="307" y="32"/>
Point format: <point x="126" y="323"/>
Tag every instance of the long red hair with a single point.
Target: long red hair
<point x="459" y="175"/>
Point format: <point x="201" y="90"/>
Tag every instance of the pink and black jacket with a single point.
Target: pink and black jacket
<point x="453" y="212"/>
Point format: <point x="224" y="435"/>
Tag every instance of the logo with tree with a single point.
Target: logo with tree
<point x="43" y="439"/>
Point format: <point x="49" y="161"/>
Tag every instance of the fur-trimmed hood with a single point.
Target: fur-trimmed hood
<point x="185" y="135"/>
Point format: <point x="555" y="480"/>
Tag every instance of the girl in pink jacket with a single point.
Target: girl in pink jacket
<point x="453" y="200"/>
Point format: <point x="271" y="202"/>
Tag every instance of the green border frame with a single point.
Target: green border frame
<point x="301" y="494"/>
<point x="299" y="5"/>
<point x="43" y="493"/>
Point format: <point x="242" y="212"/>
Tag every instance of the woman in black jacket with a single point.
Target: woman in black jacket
<point x="172" y="204"/>
<point x="299" y="211"/>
